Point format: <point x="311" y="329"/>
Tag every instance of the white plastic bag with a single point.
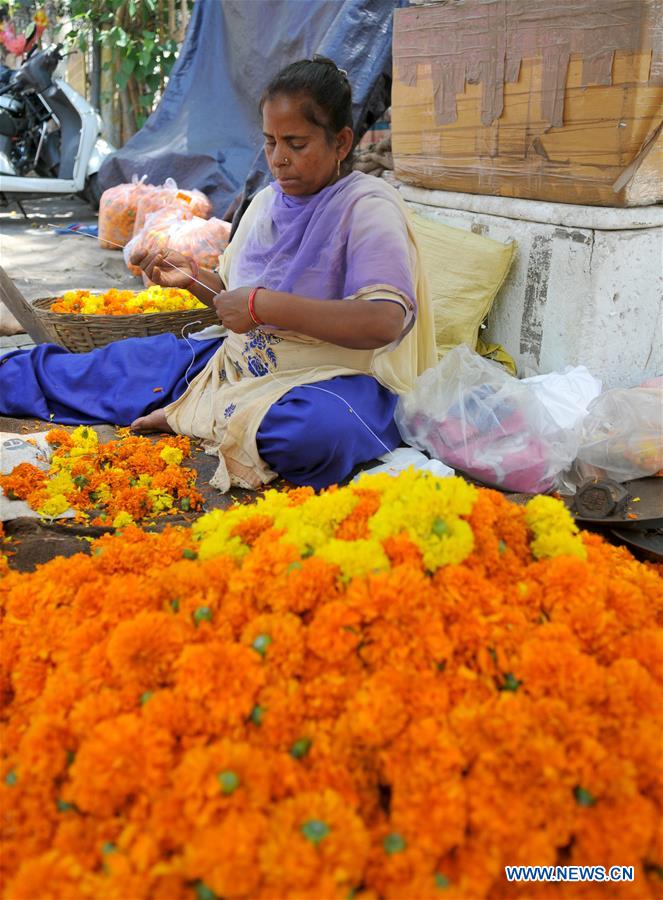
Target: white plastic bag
<point x="403" y="458"/>
<point x="470" y="413"/>
<point x="566" y="395"/>
<point x="622" y="435"/>
<point x="23" y="448"/>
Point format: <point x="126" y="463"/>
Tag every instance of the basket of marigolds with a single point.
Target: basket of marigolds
<point x="81" y="320"/>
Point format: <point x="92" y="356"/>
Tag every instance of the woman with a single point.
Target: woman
<point x="324" y="309"/>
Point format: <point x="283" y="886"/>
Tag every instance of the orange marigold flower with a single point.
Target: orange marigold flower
<point x="225" y="678"/>
<point x="23" y="481"/>
<point x="224" y="857"/>
<point x="142" y="650"/>
<point x="316" y="845"/>
<point x="51" y="875"/>
<point x="120" y="758"/>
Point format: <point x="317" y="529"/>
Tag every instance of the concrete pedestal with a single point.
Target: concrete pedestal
<point x="586" y="285"/>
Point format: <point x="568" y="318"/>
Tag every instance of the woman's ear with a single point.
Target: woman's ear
<point x="344" y="140"/>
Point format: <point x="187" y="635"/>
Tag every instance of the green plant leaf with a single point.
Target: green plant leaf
<point x="121" y="79"/>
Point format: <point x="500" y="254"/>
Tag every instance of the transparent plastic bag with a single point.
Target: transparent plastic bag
<point x="202" y="240"/>
<point x="622" y="435"/>
<point x="153" y="235"/>
<point x="117" y="212"/>
<point x="470" y="413"/>
<point x="169" y="196"/>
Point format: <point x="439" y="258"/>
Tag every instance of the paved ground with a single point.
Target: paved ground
<point x="44" y="264"/>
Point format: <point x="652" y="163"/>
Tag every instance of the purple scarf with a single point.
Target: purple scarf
<point x="329" y="245"/>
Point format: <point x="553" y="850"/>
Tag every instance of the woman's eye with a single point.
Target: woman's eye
<point x="297" y="146"/>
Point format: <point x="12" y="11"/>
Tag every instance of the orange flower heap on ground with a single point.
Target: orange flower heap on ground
<point x="389" y="690"/>
<point x="126" y="480"/>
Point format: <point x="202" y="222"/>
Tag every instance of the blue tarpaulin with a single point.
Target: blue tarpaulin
<point x="206" y="131"/>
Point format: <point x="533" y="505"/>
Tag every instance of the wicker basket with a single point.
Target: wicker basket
<point x="81" y="333"/>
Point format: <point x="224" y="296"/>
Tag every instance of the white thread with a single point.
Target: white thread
<point x="164" y="249"/>
<point x="314" y="387"/>
<point x="193" y="352"/>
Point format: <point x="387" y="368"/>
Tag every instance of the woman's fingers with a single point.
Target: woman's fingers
<point x="164" y="267"/>
<point x="144" y="261"/>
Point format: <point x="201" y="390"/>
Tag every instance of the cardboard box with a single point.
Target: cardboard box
<point x="558" y="101"/>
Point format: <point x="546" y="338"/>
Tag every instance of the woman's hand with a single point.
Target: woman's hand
<point x="232" y="308"/>
<point x="160" y="267"/>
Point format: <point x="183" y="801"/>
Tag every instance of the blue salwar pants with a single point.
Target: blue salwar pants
<point x="314" y="435"/>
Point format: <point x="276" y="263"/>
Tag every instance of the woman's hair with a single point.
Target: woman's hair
<point x="326" y="93"/>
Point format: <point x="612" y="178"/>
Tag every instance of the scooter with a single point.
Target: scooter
<point x="50" y="139"/>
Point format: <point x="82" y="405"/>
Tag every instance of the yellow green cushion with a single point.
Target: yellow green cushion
<point x="465" y="271"/>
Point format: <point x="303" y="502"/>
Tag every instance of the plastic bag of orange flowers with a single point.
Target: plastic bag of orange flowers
<point x="202" y="240"/>
<point x="169" y="196"/>
<point x="117" y="212"/>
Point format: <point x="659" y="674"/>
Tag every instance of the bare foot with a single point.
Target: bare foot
<point x="155" y="421"/>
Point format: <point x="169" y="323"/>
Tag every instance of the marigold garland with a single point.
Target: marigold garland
<point x="127" y="480"/>
<point x="116" y="302"/>
<point x="389" y="690"/>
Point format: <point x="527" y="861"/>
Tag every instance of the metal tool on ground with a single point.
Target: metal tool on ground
<point x="597" y="499"/>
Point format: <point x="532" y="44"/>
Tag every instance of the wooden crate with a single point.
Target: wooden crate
<point x="512" y="98"/>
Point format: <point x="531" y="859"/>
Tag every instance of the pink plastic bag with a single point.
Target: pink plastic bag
<point x="473" y="415"/>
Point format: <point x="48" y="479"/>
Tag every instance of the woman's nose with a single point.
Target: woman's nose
<point x="281" y="158"/>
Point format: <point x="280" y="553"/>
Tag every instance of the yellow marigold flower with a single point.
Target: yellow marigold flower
<point x="171" y="456"/>
<point x="313" y="523"/>
<point x="103" y="492"/>
<point x="214" y="531"/>
<point x="161" y="500"/>
<point x="62" y="483"/>
<point x="427" y="509"/>
<point x="449" y="543"/>
<point x="355" y="558"/>
<point x="85" y="437"/>
<point x="54" y="506"/>
<point x="121" y="519"/>
<point x="555" y="532"/>
<point x="91" y="306"/>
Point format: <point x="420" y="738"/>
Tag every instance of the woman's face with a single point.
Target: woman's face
<point x="298" y="152"/>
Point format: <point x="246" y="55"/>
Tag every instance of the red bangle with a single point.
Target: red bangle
<point x="252" y="300"/>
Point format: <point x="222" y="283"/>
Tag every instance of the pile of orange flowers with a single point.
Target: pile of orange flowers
<point x="261" y="708"/>
<point x="125" y="480"/>
<point x="115" y="302"/>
